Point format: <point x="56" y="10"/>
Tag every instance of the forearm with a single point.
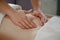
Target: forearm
<point x="5" y="8"/>
<point x="36" y="5"/>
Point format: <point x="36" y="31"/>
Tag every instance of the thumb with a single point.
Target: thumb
<point x="36" y="13"/>
<point x="28" y="11"/>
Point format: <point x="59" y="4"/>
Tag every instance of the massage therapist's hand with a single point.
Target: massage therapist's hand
<point x="39" y="14"/>
<point x="21" y="20"/>
<point x="16" y="17"/>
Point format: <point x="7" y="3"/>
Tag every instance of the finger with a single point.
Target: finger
<point x="27" y="12"/>
<point x="20" y="25"/>
<point x="41" y="18"/>
<point x="24" y="24"/>
<point x="29" y="23"/>
<point x="29" y="26"/>
<point x="46" y="19"/>
<point x="32" y="23"/>
<point x="42" y="21"/>
<point x="23" y="19"/>
<point x="40" y="15"/>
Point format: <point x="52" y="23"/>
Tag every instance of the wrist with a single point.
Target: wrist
<point x="38" y="10"/>
<point x="11" y="12"/>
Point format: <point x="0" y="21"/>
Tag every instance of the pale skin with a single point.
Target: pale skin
<point x="17" y="18"/>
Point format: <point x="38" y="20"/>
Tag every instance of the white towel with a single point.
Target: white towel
<point x="14" y="6"/>
<point x="1" y="17"/>
<point x="50" y="31"/>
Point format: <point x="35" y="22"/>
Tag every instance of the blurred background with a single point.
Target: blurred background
<point x="50" y="7"/>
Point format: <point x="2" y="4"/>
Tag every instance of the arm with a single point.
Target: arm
<point x="37" y="11"/>
<point x="5" y="8"/>
<point x="35" y="4"/>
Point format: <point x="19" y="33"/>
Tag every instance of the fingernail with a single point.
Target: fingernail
<point x="42" y="24"/>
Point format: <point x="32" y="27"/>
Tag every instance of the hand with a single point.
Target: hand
<point x="21" y="20"/>
<point x="40" y="15"/>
